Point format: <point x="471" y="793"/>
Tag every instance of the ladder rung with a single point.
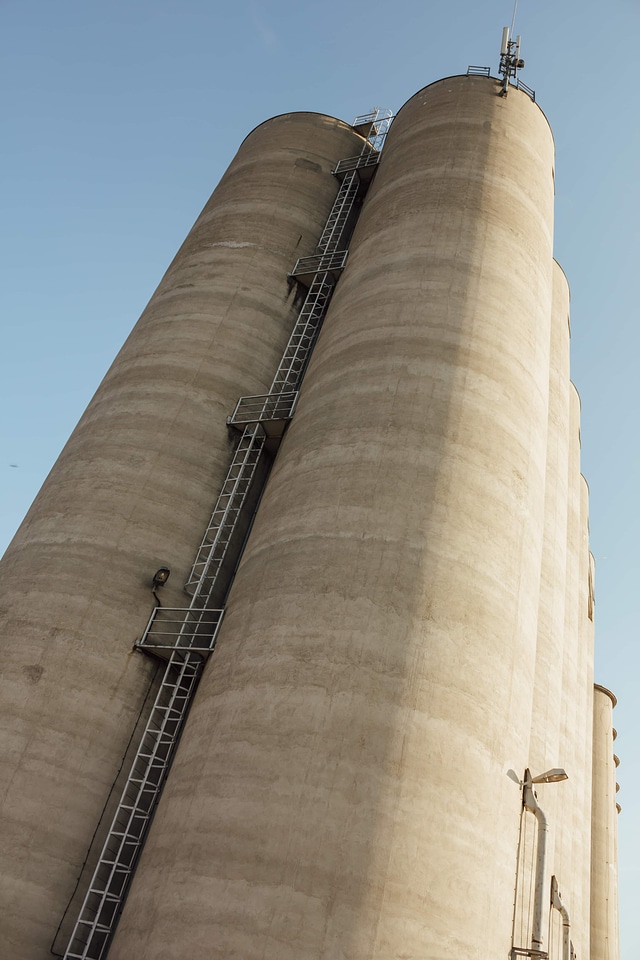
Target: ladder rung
<point x="106" y="896"/>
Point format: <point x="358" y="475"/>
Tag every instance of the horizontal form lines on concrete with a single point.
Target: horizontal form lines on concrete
<point x="186" y="635"/>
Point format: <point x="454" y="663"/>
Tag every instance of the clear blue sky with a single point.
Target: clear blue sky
<point x="119" y="118"/>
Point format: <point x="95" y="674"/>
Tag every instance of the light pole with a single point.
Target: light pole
<point x="530" y="802"/>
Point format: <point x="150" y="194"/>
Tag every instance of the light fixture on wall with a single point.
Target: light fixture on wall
<point x="551" y="776"/>
<point x="160" y="577"/>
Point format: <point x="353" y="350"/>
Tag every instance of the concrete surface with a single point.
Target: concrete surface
<point x="605" y="943"/>
<point x="132" y="490"/>
<point x="342" y="788"/>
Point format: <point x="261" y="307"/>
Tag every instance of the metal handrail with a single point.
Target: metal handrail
<point x="182" y="628"/>
<point x="356" y="163"/>
<point x="268" y="406"/>
<point x="318" y="264"/>
<point x="522" y="86"/>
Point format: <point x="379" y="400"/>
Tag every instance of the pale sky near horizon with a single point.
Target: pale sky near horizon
<point x="120" y="118"/>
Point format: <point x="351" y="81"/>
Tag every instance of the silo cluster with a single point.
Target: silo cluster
<point x="395" y="748"/>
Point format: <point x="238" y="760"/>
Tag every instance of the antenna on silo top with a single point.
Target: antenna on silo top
<point x="510" y="61"/>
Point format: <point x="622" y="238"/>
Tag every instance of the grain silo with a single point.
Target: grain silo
<point x="395" y="576"/>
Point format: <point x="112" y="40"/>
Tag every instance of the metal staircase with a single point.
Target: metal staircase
<point x="231" y="499"/>
<point x="259" y="418"/>
<point x="185" y="637"/>
<point x="303" y="335"/>
<point x="263" y="419"/>
<point x="340" y="213"/>
<point x="117" y="862"/>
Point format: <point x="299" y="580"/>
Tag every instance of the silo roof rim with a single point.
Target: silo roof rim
<point x="466" y="76"/>
<point x="303" y="113"/>
<point x="598" y="686"/>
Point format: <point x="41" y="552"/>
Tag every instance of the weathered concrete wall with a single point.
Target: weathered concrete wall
<point x="545" y="726"/>
<point x="342" y="789"/>
<point x="544" y="749"/>
<point x="568" y="852"/>
<point x="133" y="489"/>
<point x="584" y="732"/>
<point x="604" y="833"/>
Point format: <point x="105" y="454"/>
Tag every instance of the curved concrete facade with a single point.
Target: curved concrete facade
<point x="377" y="659"/>
<point x="567" y="851"/>
<point x="547" y="698"/>
<point x="584" y="732"/>
<point x="132" y="490"/>
<point x="544" y="750"/>
<point x="604" y="832"/>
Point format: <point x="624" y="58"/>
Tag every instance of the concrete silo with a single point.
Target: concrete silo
<point x="548" y="696"/>
<point x="604" y="834"/>
<point x="405" y="654"/>
<point x="131" y="491"/>
<point x="342" y="786"/>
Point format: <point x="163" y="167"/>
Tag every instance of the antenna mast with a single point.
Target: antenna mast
<point x="510" y="61"/>
<point x="513" y="18"/>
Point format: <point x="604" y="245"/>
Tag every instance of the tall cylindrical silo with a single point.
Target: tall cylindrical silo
<point x="547" y="696"/>
<point x="343" y="788"/>
<point x="568" y="839"/>
<point x="584" y="727"/>
<point x="544" y="751"/>
<point x="604" y="852"/>
<point x="133" y="489"/>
